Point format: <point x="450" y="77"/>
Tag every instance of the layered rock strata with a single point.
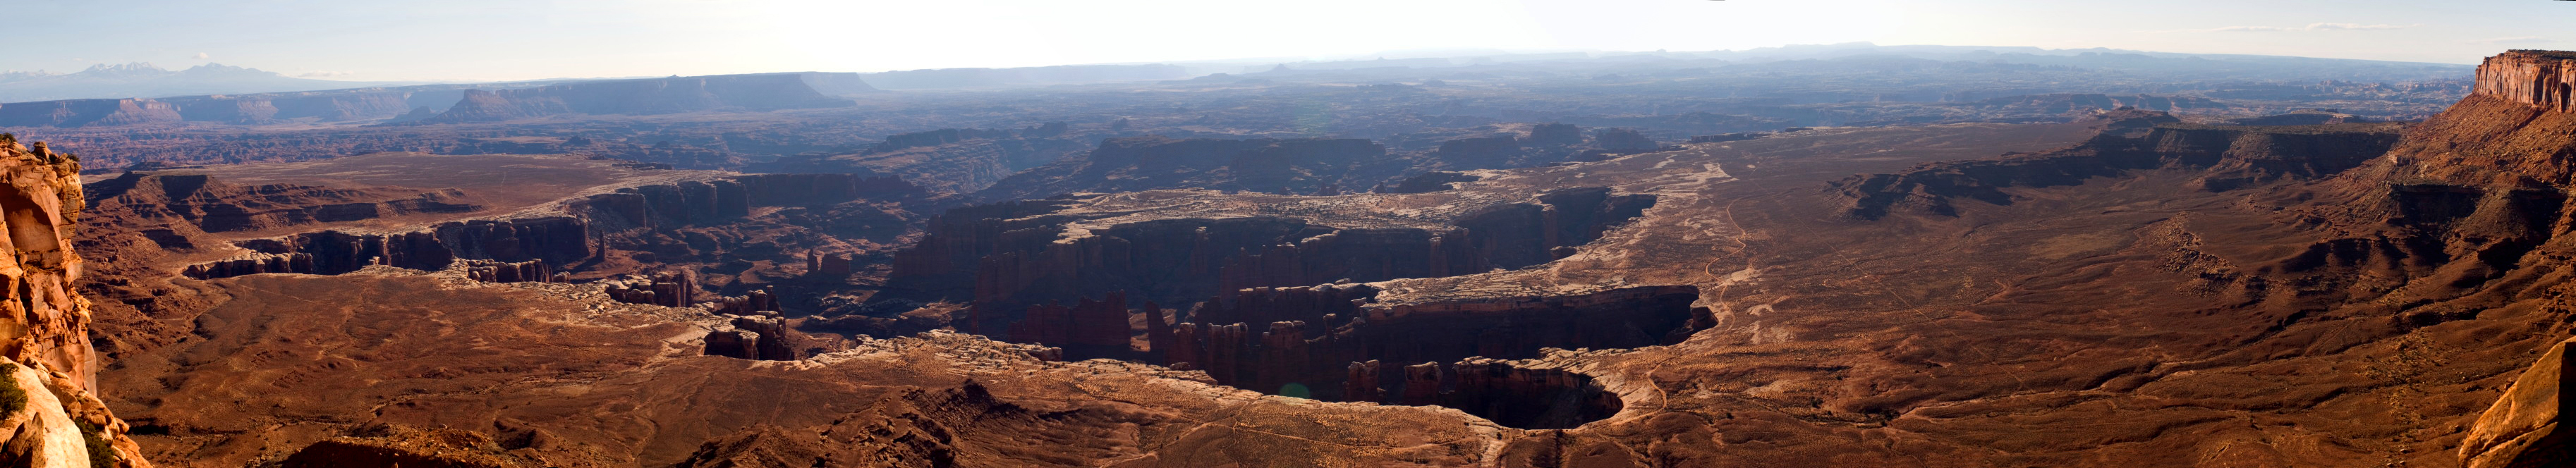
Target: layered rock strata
<point x="2540" y="78"/>
<point x="556" y="240"/>
<point x="2226" y="157"/>
<point x="49" y="415"/>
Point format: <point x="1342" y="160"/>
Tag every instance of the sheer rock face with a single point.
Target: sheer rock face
<point x="2541" y="78"/>
<point x="2521" y="430"/>
<point x="52" y="419"/>
<point x="2489" y="151"/>
<point x="2511" y="130"/>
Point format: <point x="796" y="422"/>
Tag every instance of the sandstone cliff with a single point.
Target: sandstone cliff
<point x="48" y="414"/>
<point x="2511" y="129"/>
<point x="2522" y="429"/>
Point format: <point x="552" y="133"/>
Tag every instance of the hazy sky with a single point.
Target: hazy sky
<point x="526" y="39"/>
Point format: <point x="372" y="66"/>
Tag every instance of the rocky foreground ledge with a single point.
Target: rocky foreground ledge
<point x="49" y="416"/>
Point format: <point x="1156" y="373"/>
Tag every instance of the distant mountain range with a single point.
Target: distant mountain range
<point x="145" y="80"/>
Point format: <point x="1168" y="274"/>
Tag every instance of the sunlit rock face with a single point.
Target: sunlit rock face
<point x="48" y="415"/>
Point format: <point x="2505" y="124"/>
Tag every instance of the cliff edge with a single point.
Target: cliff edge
<point x="48" y="415"/>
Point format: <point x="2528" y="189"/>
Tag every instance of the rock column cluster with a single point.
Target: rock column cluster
<point x="531" y="271"/>
<point x="662" y="289"/>
<point x="822" y="264"/>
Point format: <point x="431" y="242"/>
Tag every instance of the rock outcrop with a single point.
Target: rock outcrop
<point x="2510" y="130"/>
<point x="2541" y="78"/>
<point x="2523" y="428"/>
<point x="532" y="271"/>
<point x="666" y="289"/>
<point x="49" y="415"/>
<point x="554" y="240"/>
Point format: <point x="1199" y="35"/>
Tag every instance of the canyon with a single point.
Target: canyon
<point x="800" y="269"/>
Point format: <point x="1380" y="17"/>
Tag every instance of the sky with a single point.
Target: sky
<point x="478" y="40"/>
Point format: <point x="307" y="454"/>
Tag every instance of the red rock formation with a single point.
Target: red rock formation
<point x="52" y="419"/>
<point x="532" y="271"/>
<point x="2510" y="131"/>
<point x="2541" y="78"/>
<point x="750" y="303"/>
<point x="664" y="289"/>
<point x="2523" y="428"/>
<point x="556" y="240"/>
<point x="827" y="265"/>
<point x="1362" y="382"/>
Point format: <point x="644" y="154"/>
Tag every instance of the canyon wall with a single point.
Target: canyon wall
<point x="52" y="417"/>
<point x="1329" y="342"/>
<point x="213" y="205"/>
<point x="2511" y="130"/>
<point x="558" y="241"/>
<point x="1012" y="256"/>
<point x="2227" y="157"/>
<point x="2541" y="78"/>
